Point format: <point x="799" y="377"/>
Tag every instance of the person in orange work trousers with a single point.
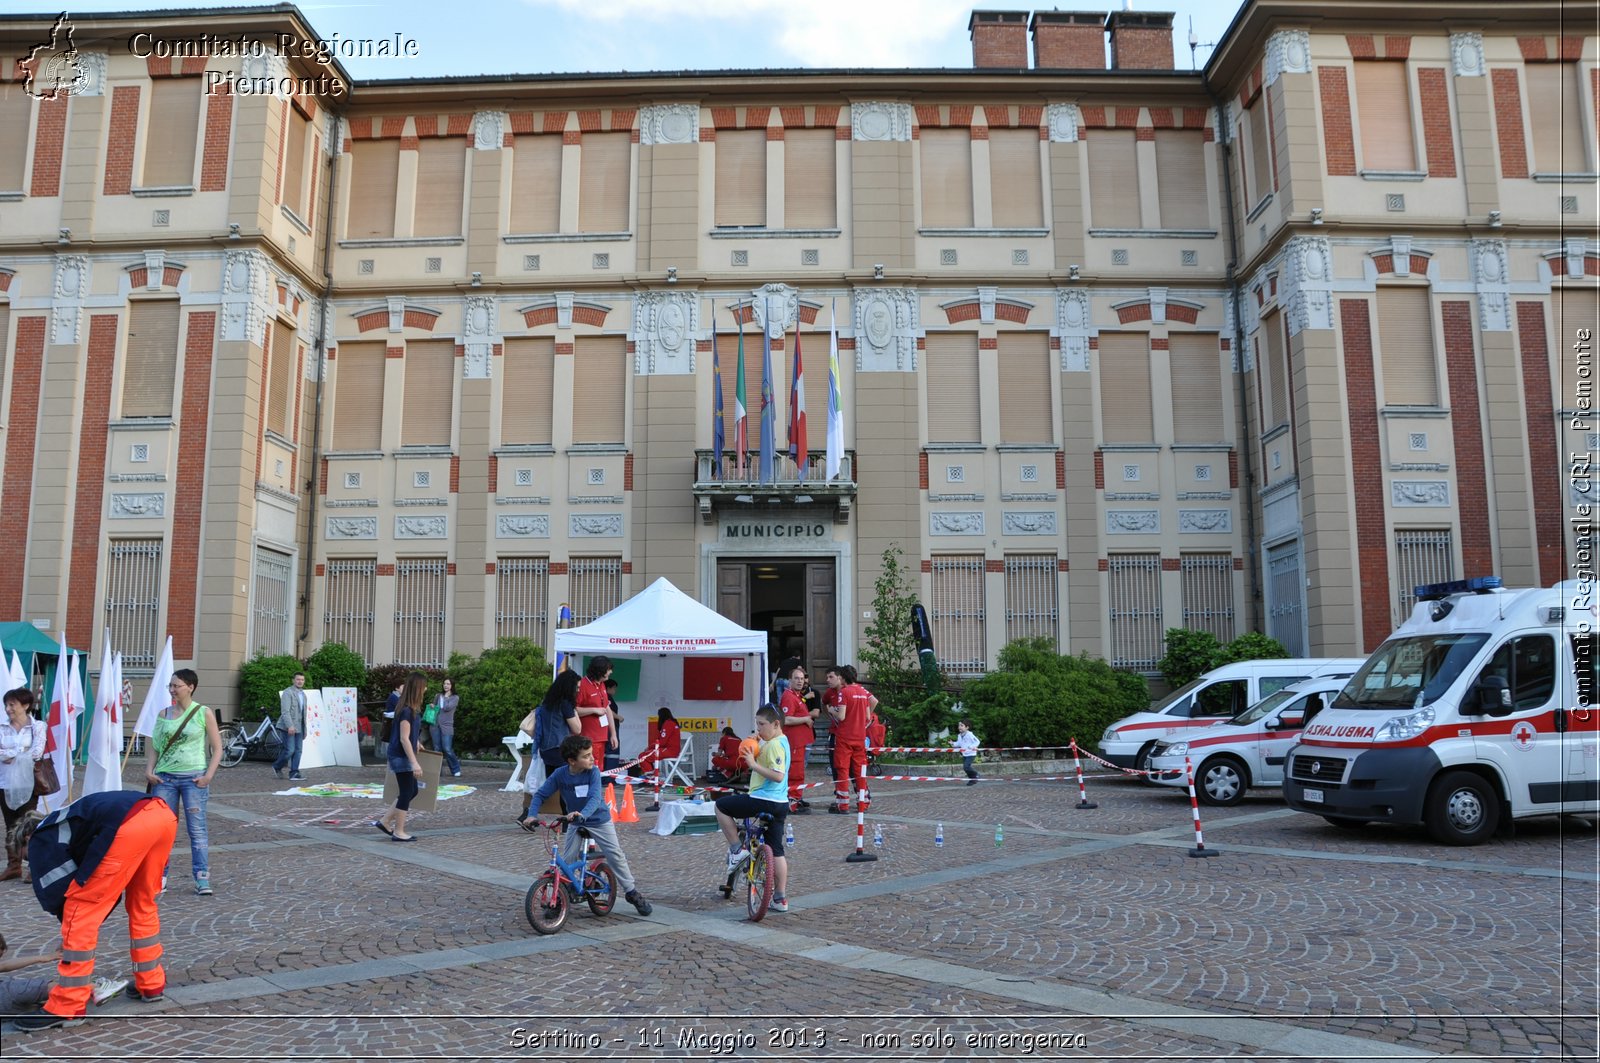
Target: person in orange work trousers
<point x="86" y="857"/>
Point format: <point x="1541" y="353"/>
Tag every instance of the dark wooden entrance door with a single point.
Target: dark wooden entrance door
<point x="816" y="599"/>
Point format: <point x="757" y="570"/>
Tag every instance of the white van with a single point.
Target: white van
<point x="1478" y="710"/>
<point x="1230" y="757"/>
<point x="1215" y="697"/>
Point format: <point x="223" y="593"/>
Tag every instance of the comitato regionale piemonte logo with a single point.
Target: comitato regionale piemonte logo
<point x="53" y="68"/>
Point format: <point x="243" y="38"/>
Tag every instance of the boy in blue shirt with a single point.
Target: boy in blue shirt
<point x="582" y="789"/>
<point x="769" y="793"/>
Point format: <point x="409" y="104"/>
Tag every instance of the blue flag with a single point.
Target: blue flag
<point x="768" y="411"/>
<point x="563" y="619"/>
<point x="717" y="414"/>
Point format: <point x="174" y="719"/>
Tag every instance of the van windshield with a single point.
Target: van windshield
<point x="1265" y="705"/>
<point x="1410" y="671"/>
<point x="1177" y="696"/>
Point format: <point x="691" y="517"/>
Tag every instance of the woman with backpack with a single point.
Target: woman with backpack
<point x="554" y="719"/>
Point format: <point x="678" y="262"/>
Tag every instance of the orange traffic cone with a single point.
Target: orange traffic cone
<point x="628" y="813"/>
<point x="611" y="799"/>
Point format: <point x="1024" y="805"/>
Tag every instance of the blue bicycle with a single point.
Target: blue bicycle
<point x="563" y="884"/>
<point x="753" y="876"/>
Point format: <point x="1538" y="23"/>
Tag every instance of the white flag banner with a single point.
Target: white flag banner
<point x="58" y="732"/>
<point x="15" y="676"/>
<point x="158" y="696"/>
<point x="835" y="445"/>
<point x="103" y="773"/>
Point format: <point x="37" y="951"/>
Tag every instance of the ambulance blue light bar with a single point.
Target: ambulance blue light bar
<point x="1432" y="592"/>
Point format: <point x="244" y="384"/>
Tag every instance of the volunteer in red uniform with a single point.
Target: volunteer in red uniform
<point x="86" y="857"/>
<point x="594" y="703"/>
<point x="850" y="734"/>
<point x="799" y="707"/>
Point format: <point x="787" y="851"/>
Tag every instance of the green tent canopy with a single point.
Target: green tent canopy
<point x="38" y="652"/>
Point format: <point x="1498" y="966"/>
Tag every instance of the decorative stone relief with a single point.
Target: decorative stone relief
<point x="776" y="308"/>
<point x="489" y="130"/>
<point x="880" y="121"/>
<point x="1574" y="247"/>
<point x="267" y="64"/>
<point x="1466" y="51"/>
<point x="955" y="524"/>
<point x="564" y="309"/>
<point x="71" y="289"/>
<point x="986" y="297"/>
<point x="595" y="526"/>
<point x="1490" y="274"/>
<point x="1400" y="251"/>
<point x="665" y="325"/>
<point x="1251" y="318"/>
<point x="886" y="327"/>
<point x="1305" y="284"/>
<point x="352" y="528"/>
<point x="1413" y="493"/>
<point x="522" y="527"/>
<point x="140" y="505"/>
<point x="1158" y="306"/>
<point x="1205" y="520"/>
<point x="421" y="527"/>
<point x="155" y="263"/>
<point x="1065" y="120"/>
<point x="1133" y="522"/>
<point x="1288" y="52"/>
<point x="1584" y="492"/>
<point x="1042" y="522"/>
<point x="1073" y="328"/>
<point x="91" y="79"/>
<point x="477" y="326"/>
<point x="397" y="313"/>
<point x="669" y="123"/>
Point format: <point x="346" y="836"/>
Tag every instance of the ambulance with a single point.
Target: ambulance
<point x="1215" y="697"/>
<point x="1479" y="710"/>
<point x="1230" y="757"/>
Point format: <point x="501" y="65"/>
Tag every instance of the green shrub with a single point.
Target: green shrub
<point x="1190" y="654"/>
<point x="261" y="678"/>
<point x="1041" y="698"/>
<point x="335" y="665"/>
<point x="1252" y="646"/>
<point x="497" y="690"/>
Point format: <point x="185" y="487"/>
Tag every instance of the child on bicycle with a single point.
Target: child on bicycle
<point x="769" y="793"/>
<point x="583" y="791"/>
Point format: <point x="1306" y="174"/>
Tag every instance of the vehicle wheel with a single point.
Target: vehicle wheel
<point x="758" y="873"/>
<point x="546" y="905"/>
<point x="1346" y="823"/>
<point x="1142" y="762"/>
<point x="270" y="747"/>
<point x="1222" y="782"/>
<point x="600" y="886"/>
<point x="1462" y="809"/>
<point x="233" y="745"/>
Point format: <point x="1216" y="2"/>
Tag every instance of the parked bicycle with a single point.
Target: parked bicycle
<point x="265" y="741"/>
<point x="552" y="895"/>
<point x="753" y="876"/>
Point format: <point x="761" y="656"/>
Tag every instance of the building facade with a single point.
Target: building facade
<point x="409" y="364"/>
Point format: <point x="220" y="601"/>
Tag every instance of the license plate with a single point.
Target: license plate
<point x="1313" y="797"/>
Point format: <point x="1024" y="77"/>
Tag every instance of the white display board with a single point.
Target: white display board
<point x="330" y="738"/>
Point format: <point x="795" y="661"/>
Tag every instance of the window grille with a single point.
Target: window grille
<point x="1134" y="586"/>
<point x="596" y="587"/>
<point x="1420" y="557"/>
<point x="347" y="615"/>
<point x="419" y="611"/>
<point x="1208" y="594"/>
<point x="272" y="601"/>
<point x="133" y="600"/>
<point x="1285" y="591"/>
<point x="958" y="613"/>
<point x="1031" y="602"/>
<point x="522" y="597"/>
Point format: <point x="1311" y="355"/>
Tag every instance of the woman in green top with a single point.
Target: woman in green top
<point x="180" y="759"/>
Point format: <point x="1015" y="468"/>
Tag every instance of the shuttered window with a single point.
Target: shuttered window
<point x="527" y="390"/>
<point x="1181" y="179"/>
<point x="741" y="188"/>
<point x="1573" y="309"/>
<point x="536" y="184"/>
<point x="1196" y="388"/>
<point x="1125" y="403"/>
<point x="604" y="166"/>
<point x="1016" y="178"/>
<point x="294" y="162"/>
<point x="1025" y="414"/>
<point x="946" y="178"/>
<point x="374" y="171"/>
<point x="1032" y="599"/>
<point x="429" y="393"/>
<point x="1383" y="106"/>
<point x="1405" y="334"/>
<point x="1273" y="369"/>
<point x="1260" y="177"/>
<point x="814" y="355"/>
<point x="522" y="598"/>
<point x="953" y="388"/>
<point x="1208" y="594"/>
<point x="1114" y="179"/>
<point x="600" y="389"/>
<point x="174" y="128"/>
<point x="1556" y="107"/>
<point x="956" y="608"/>
<point x="728" y="357"/>
<point x="441" y="186"/>
<point x="349" y="603"/>
<point x="280" y="378"/>
<point x="810" y="198"/>
<point x="149" y="375"/>
<point x="16" y="120"/>
<point x="358" y="397"/>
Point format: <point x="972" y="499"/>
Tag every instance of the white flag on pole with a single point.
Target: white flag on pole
<point x="835" y="451"/>
<point x="104" y="770"/>
<point x="15" y="676"/>
<point x="158" y="696"/>
<point x="58" y="732"/>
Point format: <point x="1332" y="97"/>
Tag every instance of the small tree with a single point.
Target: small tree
<point x="497" y="690"/>
<point x="1252" y="646"/>
<point x="335" y="665"/>
<point x="261" y="678"/>
<point x="1190" y="654"/>
<point x="888" y="657"/>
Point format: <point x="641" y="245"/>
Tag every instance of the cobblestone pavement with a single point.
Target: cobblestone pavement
<point x="1088" y="934"/>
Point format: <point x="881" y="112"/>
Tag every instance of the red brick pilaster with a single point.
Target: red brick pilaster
<point x="183" y="584"/>
<point x="627" y="472"/>
<point x="1437" y="134"/>
<point x="922" y="471"/>
<point x="22" y="430"/>
<point x="121" y="140"/>
<point x="1466" y="427"/>
<point x="1508" y="123"/>
<point x="283" y="137"/>
<point x="1061" y="470"/>
<point x="95" y="415"/>
<point x="1099" y="471"/>
<point x="1338" y="133"/>
<point x="1543" y="460"/>
<point x="219" y="130"/>
<point x="494" y="474"/>
<point x="455" y="474"/>
<point x="49" y="145"/>
<point x="1372" y="541"/>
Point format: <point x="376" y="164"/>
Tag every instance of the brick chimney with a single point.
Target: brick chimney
<point x="1000" y="39"/>
<point x="1069" y="40"/>
<point x="1140" y="40"/>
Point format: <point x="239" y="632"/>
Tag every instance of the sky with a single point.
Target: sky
<point x="472" y="37"/>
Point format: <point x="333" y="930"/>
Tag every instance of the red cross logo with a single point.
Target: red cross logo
<point x="1522" y="735"/>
